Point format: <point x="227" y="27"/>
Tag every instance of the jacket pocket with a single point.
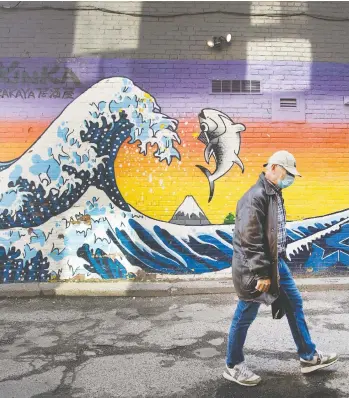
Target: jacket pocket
<point x="248" y="284"/>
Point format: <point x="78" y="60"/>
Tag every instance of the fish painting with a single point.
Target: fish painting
<point x="222" y="139"/>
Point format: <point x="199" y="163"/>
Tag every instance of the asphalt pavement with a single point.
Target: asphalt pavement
<point x="105" y="347"/>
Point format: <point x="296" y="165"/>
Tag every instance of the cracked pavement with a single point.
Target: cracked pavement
<point x="161" y="347"/>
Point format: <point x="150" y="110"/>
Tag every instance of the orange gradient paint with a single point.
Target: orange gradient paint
<point x="156" y="189"/>
<point x="17" y="137"/>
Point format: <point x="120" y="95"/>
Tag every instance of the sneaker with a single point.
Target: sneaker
<point x="319" y="361"/>
<point x="242" y="375"/>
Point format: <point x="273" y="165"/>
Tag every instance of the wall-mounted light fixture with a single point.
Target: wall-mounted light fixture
<point x="218" y="41"/>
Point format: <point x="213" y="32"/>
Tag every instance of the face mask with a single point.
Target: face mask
<point x="286" y="182"/>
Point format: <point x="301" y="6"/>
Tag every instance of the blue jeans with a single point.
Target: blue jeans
<point x="246" y="313"/>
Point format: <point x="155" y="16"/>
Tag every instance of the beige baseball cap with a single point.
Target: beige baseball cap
<point x="284" y="159"/>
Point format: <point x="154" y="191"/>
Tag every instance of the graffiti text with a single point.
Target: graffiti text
<point x="23" y="94"/>
<point x="15" y="74"/>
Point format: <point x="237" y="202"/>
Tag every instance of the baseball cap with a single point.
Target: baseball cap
<point x="286" y="160"/>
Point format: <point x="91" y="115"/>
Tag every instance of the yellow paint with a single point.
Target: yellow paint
<point x="160" y="195"/>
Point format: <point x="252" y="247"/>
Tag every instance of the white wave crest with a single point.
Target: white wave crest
<point x="69" y="142"/>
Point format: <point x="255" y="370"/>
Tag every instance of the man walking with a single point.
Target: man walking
<point x="260" y="273"/>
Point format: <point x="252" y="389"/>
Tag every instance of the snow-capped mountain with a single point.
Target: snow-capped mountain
<point x="189" y="213"/>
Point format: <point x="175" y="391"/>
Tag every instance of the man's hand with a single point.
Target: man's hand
<point x="263" y="285"/>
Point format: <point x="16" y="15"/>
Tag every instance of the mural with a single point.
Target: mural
<point x="109" y="188"/>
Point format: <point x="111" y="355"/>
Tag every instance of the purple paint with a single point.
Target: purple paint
<point x="180" y="87"/>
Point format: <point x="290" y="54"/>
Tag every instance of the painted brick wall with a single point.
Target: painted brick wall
<point x="84" y="33"/>
<point x="50" y="58"/>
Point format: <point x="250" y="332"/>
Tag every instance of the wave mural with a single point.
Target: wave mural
<point x="79" y="149"/>
<point x="62" y="214"/>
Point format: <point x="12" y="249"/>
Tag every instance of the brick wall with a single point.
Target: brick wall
<point x="84" y="33"/>
<point x="49" y="58"/>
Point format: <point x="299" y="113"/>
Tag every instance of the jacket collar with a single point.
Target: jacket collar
<point x="268" y="188"/>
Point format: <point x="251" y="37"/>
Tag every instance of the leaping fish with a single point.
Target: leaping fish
<point x="222" y="139"/>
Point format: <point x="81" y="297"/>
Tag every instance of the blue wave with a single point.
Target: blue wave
<point x="84" y="142"/>
<point x="150" y="246"/>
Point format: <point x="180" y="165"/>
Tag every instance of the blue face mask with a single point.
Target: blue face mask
<point x="286" y="182"/>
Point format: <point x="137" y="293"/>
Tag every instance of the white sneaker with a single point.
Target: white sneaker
<point x="319" y="361"/>
<point x="242" y="375"/>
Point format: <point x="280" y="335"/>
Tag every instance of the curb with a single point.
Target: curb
<point x="150" y="289"/>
